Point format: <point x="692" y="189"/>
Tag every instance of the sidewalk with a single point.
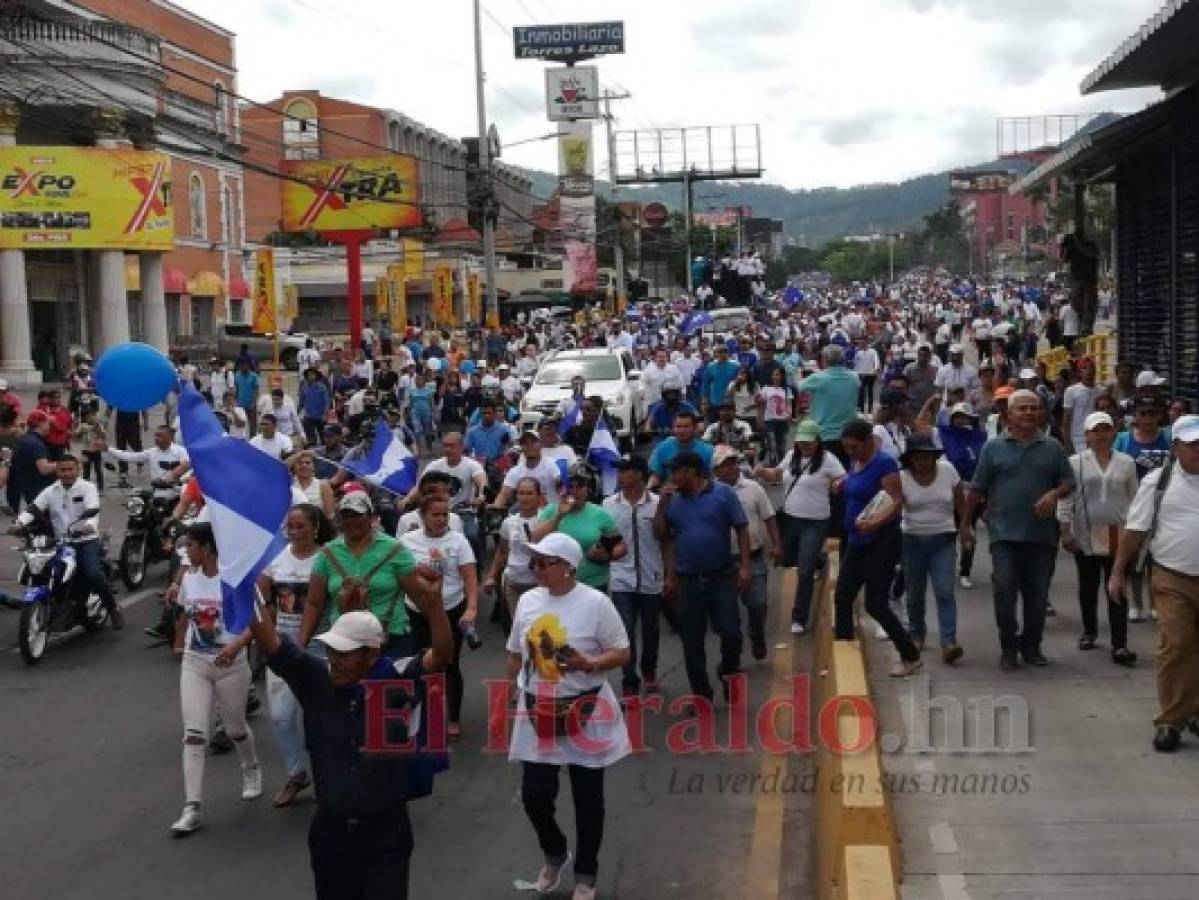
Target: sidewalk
<point x="1089" y="809"/>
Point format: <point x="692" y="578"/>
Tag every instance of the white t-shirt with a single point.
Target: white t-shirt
<point x="546" y="472"/>
<point x="462" y="476"/>
<point x="652" y="378"/>
<point x="891" y="439"/>
<point x="289" y="578"/>
<point x="1070" y="321"/>
<point x="1080" y="400"/>
<point x="447" y="554"/>
<point x="865" y="362"/>
<point x="809" y="498"/>
<point x="202" y="600"/>
<point x="929" y="510"/>
<point x="586" y="620"/>
<point x="516" y="530"/>
<point x="777" y="402"/>
<point x="410" y="521"/>
<point x="278" y="446"/>
<point x="1174" y="545"/>
<point x="563" y="452"/>
<point x="308" y="358"/>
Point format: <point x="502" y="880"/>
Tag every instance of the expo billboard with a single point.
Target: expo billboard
<point x="363" y="193"/>
<point x="85" y="198"/>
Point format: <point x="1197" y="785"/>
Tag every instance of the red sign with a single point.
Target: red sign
<point x="654" y="215"/>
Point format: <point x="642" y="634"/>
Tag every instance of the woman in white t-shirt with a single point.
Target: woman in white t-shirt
<point x="214" y="664"/>
<point x="932" y="495"/>
<point x="450" y="553"/>
<point x="315" y="490"/>
<point x="510" y="564"/>
<point x="775" y="402"/>
<point x="807" y="474"/>
<point x="564" y="637"/>
<point x="284" y="584"/>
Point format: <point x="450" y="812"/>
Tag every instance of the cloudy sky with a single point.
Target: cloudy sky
<point x="847" y="92"/>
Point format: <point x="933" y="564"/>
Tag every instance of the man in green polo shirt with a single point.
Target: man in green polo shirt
<point x="833" y="393"/>
<point x="588" y="523"/>
<point x="380" y="571"/>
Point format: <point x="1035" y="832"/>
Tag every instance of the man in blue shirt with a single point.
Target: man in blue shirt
<point x="834" y="397"/>
<point x="695" y="515"/>
<point x="490" y="439"/>
<point x="245" y="384"/>
<point x="718" y="375"/>
<point x="315" y="400"/>
<point x="684" y="440"/>
<point x="660" y="420"/>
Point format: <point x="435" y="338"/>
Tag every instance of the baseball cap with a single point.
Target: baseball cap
<point x="722" y="454"/>
<point x="962" y="409"/>
<point x="559" y="545"/>
<point x="1186" y="429"/>
<point x="1149" y="378"/>
<point x="1095" y="419"/>
<point x="358" y="502"/>
<point x="37" y="417"/>
<point x="636" y="463"/>
<point x="807" y="431"/>
<point x="1027" y="374"/>
<point x="353" y="631"/>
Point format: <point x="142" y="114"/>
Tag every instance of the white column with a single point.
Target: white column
<point x="154" y="301"/>
<point x="16" y="356"/>
<point x="114" y="305"/>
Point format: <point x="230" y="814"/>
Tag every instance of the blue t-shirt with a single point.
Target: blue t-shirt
<point x="1149" y="456"/>
<point x="702" y="524"/>
<point x="665" y="452"/>
<point x="420" y="399"/>
<point x="246" y="386"/>
<point x="314" y="400"/>
<point x="860" y="488"/>
<point x="488" y="443"/>
<point x="717" y="378"/>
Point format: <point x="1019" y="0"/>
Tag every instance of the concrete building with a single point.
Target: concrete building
<point x="122" y="75"/>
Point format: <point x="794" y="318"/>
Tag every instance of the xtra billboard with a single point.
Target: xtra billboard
<point x="565" y="43"/>
<point x="362" y="193"/>
<point x="85" y="198"/>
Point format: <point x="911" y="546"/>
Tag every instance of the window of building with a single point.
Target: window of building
<point x="220" y="117"/>
<point x="393" y="135"/>
<point x="227" y="218"/>
<point x="301" y="133"/>
<point x="197" y="207"/>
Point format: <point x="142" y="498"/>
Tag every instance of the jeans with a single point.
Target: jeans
<point x="369" y="862"/>
<point x="872" y="567"/>
<point x="703" y="598"/>
<point x="1093" y="572"/>
<point x="776" y="434"/>
<point x="287" y="723"/>
<point x="754" y="599"/>
<point x="422" y="638"/>
<point x="930" y="557"/>
<point x="313" y="429"/>
<point x="539" y="791"/>
<point x="199" y="681"/>
<point x="422" y="424"/>
<point x="90" y="573"/>
<point x="807" y="537"/>
<point x="1024" y="569"/>
<point x="632" y="606"/>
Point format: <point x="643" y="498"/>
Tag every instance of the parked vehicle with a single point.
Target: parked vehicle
<point x="610" y="374"/>
<point x="229" y="339"/>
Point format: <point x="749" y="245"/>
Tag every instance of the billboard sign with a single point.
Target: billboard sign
<point x="567" y="43"/>
<point x="979" y="182"/>
<point x="576" y="163"/>
<point x="85" y="198"/>
<point x="572" y="93"/>
<point x="362" y="193"/>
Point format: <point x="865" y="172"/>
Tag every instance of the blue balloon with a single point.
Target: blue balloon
<point x="133" y="377"/>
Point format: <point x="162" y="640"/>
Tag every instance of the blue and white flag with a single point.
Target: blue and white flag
<point x="792" y="295"/>
<point x="571" y="419"/>
<point x="248" y="494"/>
<point x="695" y="321"/>
<point x="603" y="454"/>
<point x="389" y="465"/>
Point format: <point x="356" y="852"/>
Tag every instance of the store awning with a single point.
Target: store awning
<point x="174" y="281"/>
<point x="238" y="289"/>
<point x="206" y="284"/>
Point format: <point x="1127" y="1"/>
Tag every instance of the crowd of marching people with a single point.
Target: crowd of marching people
<point x="904" y="422"/>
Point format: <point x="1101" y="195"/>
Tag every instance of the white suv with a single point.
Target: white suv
<point x="610" y="374"/>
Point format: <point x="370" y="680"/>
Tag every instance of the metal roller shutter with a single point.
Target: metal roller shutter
<point x="1184" y="334"/>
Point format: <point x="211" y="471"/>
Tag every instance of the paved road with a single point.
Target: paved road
<point x="1089" y="809"/>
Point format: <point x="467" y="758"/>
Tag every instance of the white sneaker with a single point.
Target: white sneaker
<point x="796" y="628"/>
<point x="191" y="820"/>
<point x="1135" y="615"/>
<point x="550" y="877"/>
<point x="880" y="633"/>
<point x="965" y="583"/>
<point x="903" y="669"/>
<point x="583" y="892"/>
<point x="251" y="783"/>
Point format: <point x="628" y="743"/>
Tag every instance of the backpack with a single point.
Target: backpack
<point x="353" y="594"/>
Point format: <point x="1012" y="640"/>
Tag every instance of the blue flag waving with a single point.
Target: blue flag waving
<point x="695" y="321"/>
<point x="389" y="465"/>
<point x="248" y="494"/>
<point x="603" y="454"/>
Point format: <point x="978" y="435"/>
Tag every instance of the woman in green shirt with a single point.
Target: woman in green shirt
<point x="588" y="523"/>
<point x="380" y="570"/>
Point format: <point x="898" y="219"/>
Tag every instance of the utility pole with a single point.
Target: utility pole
<point x="618" y="249"/>
<point x="687" y="201"/>
<point x="486" y="165"/>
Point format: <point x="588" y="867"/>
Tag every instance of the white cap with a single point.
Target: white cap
<point x="1149" y="378"/>
<point x="1095" y="419"/>
<point x="962" y="409"/>
<point x="3" y="384"/>
<point x="353" y="631"/>
<point x="722" y="454"/>
<point x="357" y="502"/>
<point x="1027" y="374"/>
<point x="560" y="545"/>
<point x="1186" y="429"/>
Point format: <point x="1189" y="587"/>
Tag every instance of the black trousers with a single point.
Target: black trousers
<point x="1093" y="572"/>
<point x="871" y="568"/>
<point x="539" y="791"/>
<point x="866" y="392"/>
<point x="367" y="860"/>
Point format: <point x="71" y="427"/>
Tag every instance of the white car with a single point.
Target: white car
<point x="610" y="374"/>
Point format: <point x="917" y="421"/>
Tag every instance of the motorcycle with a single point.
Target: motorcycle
<point x="50" y="602"/>
<point x="145" y="542"/>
